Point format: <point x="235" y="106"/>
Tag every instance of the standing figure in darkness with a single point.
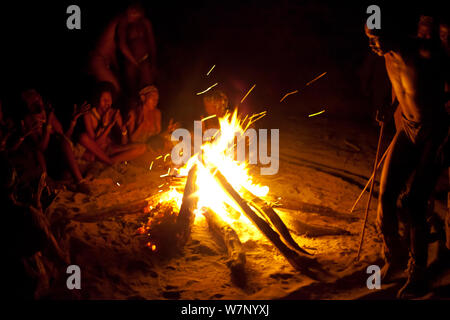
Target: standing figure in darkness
<point x="103" y="62"/>
<point x="137" y="45"/>
<point x="418" y="83"/>
<point x="131" y="36"/>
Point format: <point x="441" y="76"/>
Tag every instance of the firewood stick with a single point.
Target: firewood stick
<point x="276" y="221"/>
<point x="186" y="216"/>
<point x="300" y="263"/>
<point x="228" y="235"/>
<point x="369" y="182"/>
<point x="375" y="167"/>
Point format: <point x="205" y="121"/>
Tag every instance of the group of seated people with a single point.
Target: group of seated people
<point x="97" y="131"/>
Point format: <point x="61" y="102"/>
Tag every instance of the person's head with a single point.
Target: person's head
<point x="215" y="103"/>
<point x="104" y="96"/>
<point x="426" y="28"/>
<point x="33" y="101"/>
<point x="149" y="97"/>
<point x="134" y="12"/>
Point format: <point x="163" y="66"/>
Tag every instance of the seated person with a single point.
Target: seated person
<point x="215" y="103"/>
<point x="144" y="121"/>
<point x="10" y="137"/>
<point x="43" y="127"/>
<point x="97" y="135"/>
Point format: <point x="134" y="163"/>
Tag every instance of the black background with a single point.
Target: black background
<point x="279" y="45"/>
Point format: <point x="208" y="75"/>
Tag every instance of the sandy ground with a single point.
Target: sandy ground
<point x="324" y="164"/>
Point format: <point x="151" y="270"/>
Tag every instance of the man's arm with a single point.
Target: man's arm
<point x="89" y="126"/>
<point x="56" y="125"/>
<point x="122" y="126"/>
<point x="85" y="107"/>
<point x="117" y="119"/>
<point x="131" y="122"/>
<point x="43" y="144"/>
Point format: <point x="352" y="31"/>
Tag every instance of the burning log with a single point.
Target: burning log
<point x="266" y="210"/>
<point x="301" y="263"/>
<point x="228" y="235"/>
<point x="186" y="216"/>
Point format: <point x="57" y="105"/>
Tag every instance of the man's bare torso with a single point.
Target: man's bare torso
<point x="138" y="39"/>
<point x="417" y="83"/>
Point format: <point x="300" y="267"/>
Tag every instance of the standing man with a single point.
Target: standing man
<point x="103" y="62"/>
<point x="422" y="125"/>
<point x="137" y="45"/>
<point x="131" y="35"/>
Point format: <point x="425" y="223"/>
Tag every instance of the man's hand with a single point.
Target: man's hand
<point x="381" y="117"/>
<point x="79" y="111"/>
<point x="385" y="113"/>
<point x="172" y="126"/>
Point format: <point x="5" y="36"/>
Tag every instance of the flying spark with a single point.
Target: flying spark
<point x="316" y="78"/>
<point x="288" y="94"/>
<point x="210" y="70"/>
<point x="215" y="84"/>
<point x="165" y="175"/>
<point x="316" y="114"/>
<point x="248" y="93"/>
<point x="210" y="117"/>
<point x="309" y="83"/>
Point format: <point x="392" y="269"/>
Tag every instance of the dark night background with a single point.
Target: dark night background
<point x="277" y="45"/>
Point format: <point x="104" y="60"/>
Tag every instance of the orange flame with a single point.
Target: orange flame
<point x="219" y="154"/>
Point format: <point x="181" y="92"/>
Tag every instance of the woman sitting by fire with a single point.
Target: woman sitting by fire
<point x="144" y="121"/>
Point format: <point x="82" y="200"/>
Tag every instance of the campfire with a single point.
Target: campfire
<point x="215" y="186"/>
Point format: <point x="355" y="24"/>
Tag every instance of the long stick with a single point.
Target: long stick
<point x="375" y="166"/>
<point x="370" y="180"/>
<point x="186" y="217"/>
<point x="275" y="219"/>
<point x="303" y="263"/>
